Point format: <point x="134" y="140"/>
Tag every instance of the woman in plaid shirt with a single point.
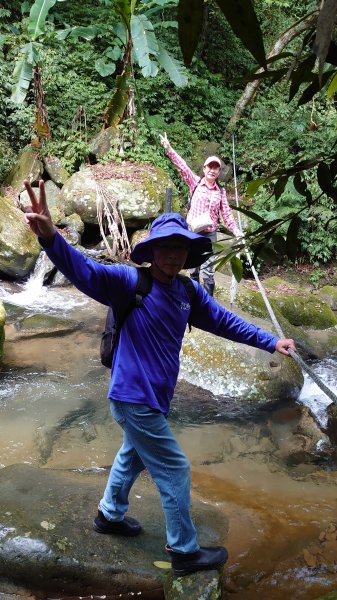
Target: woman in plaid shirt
<point x="206" y="197"/>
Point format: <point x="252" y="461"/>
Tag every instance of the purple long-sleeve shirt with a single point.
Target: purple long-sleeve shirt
<point x="146" y="361"/>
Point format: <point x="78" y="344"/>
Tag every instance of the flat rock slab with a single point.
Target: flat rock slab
<point x="47" y="541"/>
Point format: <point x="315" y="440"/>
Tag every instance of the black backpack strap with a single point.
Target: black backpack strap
<point x="115" y="318"/>
<point x="143" y="285"/>
<point x="192" y="294"/>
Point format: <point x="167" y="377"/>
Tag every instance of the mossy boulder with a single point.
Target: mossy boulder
<point x="28" y="166"/>
<point x="237" y="370"/>
<point x="138" y="188"/>
<point x="328" y="293"/>
<point x="299" y="307"/>
<point x="55" y="170"/>
<point x="19" y="247"/>
<point x="2" y="330"/>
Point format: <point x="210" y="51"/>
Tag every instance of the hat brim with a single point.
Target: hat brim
<point x="200" y="248"/>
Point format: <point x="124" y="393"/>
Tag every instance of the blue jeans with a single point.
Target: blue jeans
<point x="148" y="443"/>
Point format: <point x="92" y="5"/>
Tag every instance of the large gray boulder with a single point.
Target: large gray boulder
<point x="19" y="247"/>
<point x="242" y="372"/>
<point x="139" y="188"/>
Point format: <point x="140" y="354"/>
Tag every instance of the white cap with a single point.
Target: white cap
<point x="212" y="159"/>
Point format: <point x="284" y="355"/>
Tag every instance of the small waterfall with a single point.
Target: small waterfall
<point x="311" y="395"/>
<point x="34" y="294"/>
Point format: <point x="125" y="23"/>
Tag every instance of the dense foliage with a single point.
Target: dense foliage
<point x="79" y="61"/>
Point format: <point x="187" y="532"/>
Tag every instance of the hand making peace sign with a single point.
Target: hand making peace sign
<point x="38" y="216"/>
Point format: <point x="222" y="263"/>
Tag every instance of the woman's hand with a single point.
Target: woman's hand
<point x="283" y="345"/>
<point x="37" y="216"/>
<point x="165" y="141"/>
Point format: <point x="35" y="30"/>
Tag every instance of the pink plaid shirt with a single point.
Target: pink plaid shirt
<point x="212" y="200"/>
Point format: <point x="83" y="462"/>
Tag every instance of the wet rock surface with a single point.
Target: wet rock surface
<point x="47" y="541"/>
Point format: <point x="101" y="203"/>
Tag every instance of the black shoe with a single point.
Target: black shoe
<point x="128" y="527"/>
<point x="202" y="560"/>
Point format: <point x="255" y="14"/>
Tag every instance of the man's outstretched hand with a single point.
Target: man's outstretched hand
<point x="283" y="345"/>
<point x="37" y="216"/>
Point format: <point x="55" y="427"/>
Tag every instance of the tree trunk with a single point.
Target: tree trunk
<point x="252" y="87"/>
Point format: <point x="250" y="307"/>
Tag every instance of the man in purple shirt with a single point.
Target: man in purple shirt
<point x="145" y="369"/>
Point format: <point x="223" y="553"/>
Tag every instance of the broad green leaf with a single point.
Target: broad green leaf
<point x="325" y="27"/>
<point x="301" y="74"/>
<point x="314" y="87"/>
<point x="2" y="39"/>
<point x="237" y="268"/>
<point x="280" y="186"/>
<point x="87" y="33"/>
<point x="250" y="214"/>
<point x="151" y="69"/>
<point x="114" y="53"/>
<point x="121" y="33"/>
<point x="31" y="53"/>
<point x="292" y="238"/>
<point x="23" y="74"/>
<point x="254" y="185"/>
<point x="332" y="87"/>
<point x="124" y="9"/>
<point x="241" y="17"/>
<point x="37" y="17"/>
<point x="173" y="67"/>
<point x="190" y="19"/>
<point x="144" y="42"/>
<point x="103" y="68"/>
<point x="118" y="102"/>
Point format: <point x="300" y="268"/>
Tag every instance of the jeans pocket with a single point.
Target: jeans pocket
<point x="116" y="409"/>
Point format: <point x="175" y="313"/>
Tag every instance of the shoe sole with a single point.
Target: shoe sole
<point x="184" y="572"/>
<point x="107" y="532"/>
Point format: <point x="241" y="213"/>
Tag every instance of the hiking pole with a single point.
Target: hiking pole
<point x="276" y="324"/>
<point x="234" y="284"/>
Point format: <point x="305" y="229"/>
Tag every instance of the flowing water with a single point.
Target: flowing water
<point x="54" y="414"/>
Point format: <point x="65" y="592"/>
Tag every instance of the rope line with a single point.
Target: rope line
<point x="275" y="322"/>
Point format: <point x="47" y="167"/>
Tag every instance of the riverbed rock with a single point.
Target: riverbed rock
<point x="2" y="330"/>
<point x="206" y="585"/>
<point x="242" y="372"/>
<point x="104" y="141"/>
<point x="139" y="189"/>
<point x="55" y="549"/>
<point x="27" y="166"/>
<point x="19" y="247"/>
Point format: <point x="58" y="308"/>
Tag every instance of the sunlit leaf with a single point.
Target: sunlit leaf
<point x="23" y="74"/>
<point x="242" y="18"/>
<point x="253" y="186"/>
<point x="173" y="67"/>
<point x="190" y="18"/>
<point x="162" y="564"/>
<point x="37" y="17"/>
<point x="144" y="42"/>
<point x="332" y="87"/>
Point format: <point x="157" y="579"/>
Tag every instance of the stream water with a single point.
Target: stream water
<point x="54" y="414"/>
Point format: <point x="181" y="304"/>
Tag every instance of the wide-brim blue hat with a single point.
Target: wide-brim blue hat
<point x="173" y="224"/>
